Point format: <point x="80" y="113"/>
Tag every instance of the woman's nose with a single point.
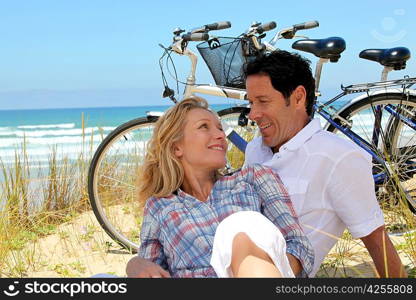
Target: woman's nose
<point x="220" y="134"/>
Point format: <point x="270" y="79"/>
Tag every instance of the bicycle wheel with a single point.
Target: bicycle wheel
<point x="112" y="180"/>
<point x="396" y="143"/>
<point x="236" y="118"/>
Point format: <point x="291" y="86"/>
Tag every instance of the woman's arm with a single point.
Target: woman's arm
<point x="151" y="250"/>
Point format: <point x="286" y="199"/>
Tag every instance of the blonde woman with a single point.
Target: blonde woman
<point x="198" y="223"/>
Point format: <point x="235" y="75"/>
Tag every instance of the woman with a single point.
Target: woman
<point x="198" y="223"/>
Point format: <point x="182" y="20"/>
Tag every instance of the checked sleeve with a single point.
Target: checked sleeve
<point x="150" y="246"/>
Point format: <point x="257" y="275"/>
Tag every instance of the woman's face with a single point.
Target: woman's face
<point x="203" y="146"/>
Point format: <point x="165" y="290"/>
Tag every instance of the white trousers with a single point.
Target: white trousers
<point x="260" y="230"/>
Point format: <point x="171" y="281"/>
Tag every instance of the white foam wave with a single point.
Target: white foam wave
<point x="65" y="132"/>
<point x="33" y="141"/>
<point x="42" y="154"/>
<point x="64" y="125"/>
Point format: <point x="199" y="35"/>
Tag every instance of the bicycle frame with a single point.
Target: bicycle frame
<point x="214" y="90"/>
<point x="192" y="88"/>
<point x="319" y="108"/>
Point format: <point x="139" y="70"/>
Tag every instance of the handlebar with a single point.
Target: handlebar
<point x="218" y="25"/>
<point x="266" y="27"/>
<point x="195" y="37"/>
<point x="213" y="26"/>
<point x="306" y="25"/>
<point x="289" y="33"/>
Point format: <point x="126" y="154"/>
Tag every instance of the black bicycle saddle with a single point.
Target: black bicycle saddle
<point x="330" y="48"/>
<point x="392" y="57"/>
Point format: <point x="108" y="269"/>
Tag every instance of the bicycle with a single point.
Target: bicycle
<point x="114" y="165"/>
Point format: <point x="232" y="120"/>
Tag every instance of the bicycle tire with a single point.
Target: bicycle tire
<point x="111" y="181"/>
<point x="237" y="118"/>
<point x="396" y="145"/>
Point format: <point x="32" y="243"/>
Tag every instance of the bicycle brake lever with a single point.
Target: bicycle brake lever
<point x="301" y="36"/>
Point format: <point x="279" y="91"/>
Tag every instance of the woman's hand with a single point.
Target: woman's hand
<point x="142" y="268"/>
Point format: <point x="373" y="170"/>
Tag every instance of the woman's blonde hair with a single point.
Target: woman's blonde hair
<point x="162" y="173"/>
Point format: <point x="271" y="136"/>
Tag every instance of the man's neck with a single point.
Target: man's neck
<point x="302" y="125"/>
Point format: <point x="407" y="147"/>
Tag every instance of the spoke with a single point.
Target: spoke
<point x="396" y="143"/>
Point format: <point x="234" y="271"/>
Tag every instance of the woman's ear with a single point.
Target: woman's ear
<point x="177" y="150"/>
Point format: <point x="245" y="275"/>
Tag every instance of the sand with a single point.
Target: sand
<point x="81" y="248"/>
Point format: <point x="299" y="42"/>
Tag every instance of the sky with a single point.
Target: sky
<point x="56" y="54"/>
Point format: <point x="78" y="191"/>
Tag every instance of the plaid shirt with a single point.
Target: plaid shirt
<point x="178" y="231"/>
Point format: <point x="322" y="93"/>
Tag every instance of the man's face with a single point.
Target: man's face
<point x="277" y="121"/>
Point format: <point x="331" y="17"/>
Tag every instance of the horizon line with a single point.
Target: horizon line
<point x="87" y="107"/>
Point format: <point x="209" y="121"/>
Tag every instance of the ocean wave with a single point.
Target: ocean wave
<point x="62" y="140"/>
<point x="42" y="154"/>
<point x="64" y="125"/>
<point x="61" y="132"/>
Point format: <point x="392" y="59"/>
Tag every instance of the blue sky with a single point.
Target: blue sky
<point x="105" y="53"/>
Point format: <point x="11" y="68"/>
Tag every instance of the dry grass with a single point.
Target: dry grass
<point x="60" y="237"/>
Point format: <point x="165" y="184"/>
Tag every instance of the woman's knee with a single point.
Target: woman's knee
<point x="243" y="246"/>
<point x="242" y="243"/>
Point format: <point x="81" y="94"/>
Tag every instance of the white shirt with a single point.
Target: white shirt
<point x="330" y="182"/>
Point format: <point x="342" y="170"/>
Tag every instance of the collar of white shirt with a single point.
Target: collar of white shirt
<point x="300" y="138"/>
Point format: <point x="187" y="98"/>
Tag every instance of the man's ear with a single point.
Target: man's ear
<point x="299" y="96"/>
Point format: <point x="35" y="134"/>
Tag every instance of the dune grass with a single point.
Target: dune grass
<point x="36" y="206"/>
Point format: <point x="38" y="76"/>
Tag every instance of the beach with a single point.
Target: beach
<point x="45" y="158"/>
<point x="80" y="248"/>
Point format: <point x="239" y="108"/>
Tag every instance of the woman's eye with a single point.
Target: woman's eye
<point x="204" y="126"/>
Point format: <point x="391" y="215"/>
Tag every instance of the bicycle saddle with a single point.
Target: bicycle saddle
<point x="330" y="48"/>
<point x="392" y="57"/>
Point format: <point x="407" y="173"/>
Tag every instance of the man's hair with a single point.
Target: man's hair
<point x="286" y="71"/>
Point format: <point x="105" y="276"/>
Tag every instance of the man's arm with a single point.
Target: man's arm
<point x="351" y="190"/>
<point x="143" y="268"/>
<point x="384" y="254"/>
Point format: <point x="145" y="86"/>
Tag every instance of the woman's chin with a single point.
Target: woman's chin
<point x="222" y="165"/>
<point x="218" y="166"/>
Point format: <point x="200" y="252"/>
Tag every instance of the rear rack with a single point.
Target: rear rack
<point x="364" y="87"/>
<point x="404" y="84"/>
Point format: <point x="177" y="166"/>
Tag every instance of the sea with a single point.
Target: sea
<point x="35" y="134"/>
<point x="67" y="132"/>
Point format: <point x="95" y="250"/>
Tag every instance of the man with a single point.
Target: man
<point x="329" y="179"/>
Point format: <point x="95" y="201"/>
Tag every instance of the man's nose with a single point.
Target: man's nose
<point x="254" y="114"/>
